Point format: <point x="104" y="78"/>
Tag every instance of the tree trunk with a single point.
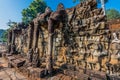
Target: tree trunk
<point x="103" y="5"/>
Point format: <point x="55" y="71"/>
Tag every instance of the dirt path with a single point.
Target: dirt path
<point x="9" y="73"/>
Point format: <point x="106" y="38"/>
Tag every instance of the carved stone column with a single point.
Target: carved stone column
<point x="30" y="35"/>
<point x="9" y="40"/>
<point x="55" y="18"/>
<point x="49" y="62"/>
<point x="13" y="37"/>
<point x="13" y="47"/>
<point x="36" y="35"/>
<point x="9" y="36"/>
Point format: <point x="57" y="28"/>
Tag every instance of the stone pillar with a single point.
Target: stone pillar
<point x="30" y="35"/>
<point x="9" y="36"/>
<point x="13" y="37"/>
<point x="36" y="35"/>
<point x="49" y="61"/>
<point x="9" y="40"/>
<point x="54" y="19"/>
<point x="13" y="46"/>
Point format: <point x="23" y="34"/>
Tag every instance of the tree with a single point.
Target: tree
<point x="112" y="14"/>
<point x="37" y="6"/>
<point x="4" y="36"/>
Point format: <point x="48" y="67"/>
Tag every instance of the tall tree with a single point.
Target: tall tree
<point x="37" y="6"/>
<point x="112" y="14"/>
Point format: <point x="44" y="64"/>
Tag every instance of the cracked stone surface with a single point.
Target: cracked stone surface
<point x="9" y="73"/>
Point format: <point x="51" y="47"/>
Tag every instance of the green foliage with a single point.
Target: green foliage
<point x="37" y="6"/>
<point x="112" y="14"/>
<point x="1" y="32"/>
<point x="2" y="35"/>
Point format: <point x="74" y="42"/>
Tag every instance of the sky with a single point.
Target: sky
<point x="11" y="9"/>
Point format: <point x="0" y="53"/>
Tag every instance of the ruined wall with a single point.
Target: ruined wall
<point x="85" y="38"/>
<point x="82" y="40"/>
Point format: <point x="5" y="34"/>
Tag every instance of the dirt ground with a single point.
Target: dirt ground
<point x="9" y="73"/>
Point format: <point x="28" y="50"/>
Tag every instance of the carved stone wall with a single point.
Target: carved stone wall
<point x="82" y="40"/>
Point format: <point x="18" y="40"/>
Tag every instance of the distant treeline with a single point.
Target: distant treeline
<point x="1" y="35"/>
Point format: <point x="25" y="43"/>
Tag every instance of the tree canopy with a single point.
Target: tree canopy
<point x="37" y="6"/>
<point x="112" y="14"/>
<point x="4" y="36"/>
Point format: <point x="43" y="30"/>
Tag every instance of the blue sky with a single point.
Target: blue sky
<point x="11" y="9"/>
